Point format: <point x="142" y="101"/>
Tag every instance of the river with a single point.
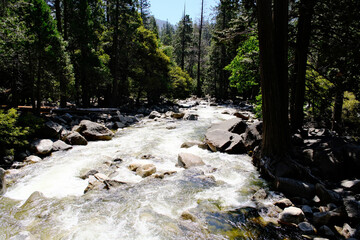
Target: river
<point x="144" y="208"/>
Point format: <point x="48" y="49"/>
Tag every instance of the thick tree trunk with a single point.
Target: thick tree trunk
<point x="66" y="19"/>
<point x="273" y="72"/>
<point x="198" y="86"/>
<point x="298" y="82"/>
<point x="337" y="111"/>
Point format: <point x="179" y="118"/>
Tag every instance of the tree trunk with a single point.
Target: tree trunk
<point x="38" y="87"/>
<point x="337" y="112"/>
<point x="66" y="19"/>
<point x="273" y="72"/>
<point x="198" y="86"/>
<point x="298" y="82"/>
<point x="182" y="63"/>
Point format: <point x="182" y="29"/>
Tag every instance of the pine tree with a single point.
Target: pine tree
<point x="167" y="34"/>
<point x="182" y="41"/>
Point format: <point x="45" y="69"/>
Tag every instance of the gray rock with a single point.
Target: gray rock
<point x="261" y="194"/>
<point x="295" y="188"/>
<point x="233" y="125"/>
<point x="52" y="129"/>
<point x="94" y="184"/>
<point x="177" y="115"/>
<point x="224" y="141"/>
<point x="325" y="195"/>
<point x="307" y="210"/>
<point x="76" y="139"/>
<point x="89" y="173"/>
<point x="191" y="144"/>
<point x="188" y="160"/>
<point x="191" y="116"/>
<point x="353" y="185"/>
<point x="323" y="218"/>
<point x="2" y="181"/>
<point x="252" y="136"/>
<point x="61" y="146"/>
<point x="154" y="114"/>
<point x="186" y="215"/>
<point x="326" y="231"/>
<point x="292" y="215"/>
<point x="32" y="159"/>
<point x="346" y="231"/>
<point x="119" y="125"/>
<point x="307" y="228"/>
<point x="95" y="131"/>
<point x="42" y="146"/>
<point x="283" y="203"/>
<point x="146" y="170"/>
<point x="352" y="208"/>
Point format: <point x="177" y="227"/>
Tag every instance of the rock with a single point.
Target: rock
<point x="177" y="115"/>
<point x="33" y="198"/>
<point x="346" y="231"/>
<point x="307" y="228"/>
<point x="191" y="144"/>
<point x="352" y="208"/>
<point x="52" y="129"/>
<point x="233" y="125"/>
<point x="154" y="114"/>
<point x="146" y="170"/>
<point x="261" y="194"/>
<point x="283" y="203"/>
<point x="325" y="195"/>
<point x="94" y="184"/>
<point x="76" y="139"/>
<point x="295" y="188"/>
<point x="353" y="185"/>
<point x="94" y="131"/>
<point x="188" y="160"/>
<point x="323" y="218"/>
<point x="134" y="166"/>
<point x="89" y="173"/>
<point x="2" y="181"/>
<point x="224" y="141"/>
<point x="119" y="124"/>
<point x="161" y="175"/>
<point x="240" y="115"/>
<point x="42" y="146"/>
<point x="191" y="116"/>
<point x="326" y="231"/>
<point x="307" y="210"/>
<point x="101" y="177"/>
<point x="32" y="159"/>
<point x="252" y="136"/>
<point x="147" y="156"/>
<point x="292" y="215"/>
<point x="320" y="238"/>
<point x="186" y="215"/>
<point x="64" y="134"/>
<point x="113" y="184"/>
<point x="61" y="146"/>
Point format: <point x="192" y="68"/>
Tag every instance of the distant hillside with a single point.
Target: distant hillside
<point x="160" y="23"/>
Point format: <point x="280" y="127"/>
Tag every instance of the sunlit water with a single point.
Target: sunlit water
<point x="144" y="208"/>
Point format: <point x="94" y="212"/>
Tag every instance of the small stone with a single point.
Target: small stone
<point x="147" y="156"/>
<point x="146" y="170"/>
<point x="292" y="215"/>
<point x="134" y="166"/>
<point x="261" y="194"/>
<point x="325" y="195"/>
<point x="190" y="144"/>
<point x="89" y="173"/>
<point x="283" y="203"/>
<point x="101" y="177"/>
<point x="61" y="146"/>
<point x="352" y="208"/>
<point x="188" y="216"/>
<point x="307" y="210"/>
<point x="326" y="231"/>
<point x="307" y="228"/>
<point x="346" y="231"/>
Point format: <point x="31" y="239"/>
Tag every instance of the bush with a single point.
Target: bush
<point x="181" y="83"/>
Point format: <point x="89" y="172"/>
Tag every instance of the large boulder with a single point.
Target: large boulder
<point x="224" y="141"/>
<point x="188" y="160"/>
<point x="292" y="215"/>
<point x="252" y="136"/>
<point x="2" y="181"/>
<point x="52" y="129"/>
<point x="327" y="196"/>
<point x="234" y="125"/>
<point x="42" y="146"/>
<point x="295" y="188"/>
<point x="61" y="146"/>
<point x="94" y="131"/>
<point x="75" y="138"/>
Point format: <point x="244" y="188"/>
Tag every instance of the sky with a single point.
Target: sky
<point x="172" y="10"/>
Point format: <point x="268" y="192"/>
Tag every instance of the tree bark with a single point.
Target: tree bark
<point x="66" y="19"/>
<point x="198" y="86"/>
<point x="58" y="16"/>
<point x="273" y="73"/>
<point x="302" y="46"/>
<point x="337" y="111"/>
<point x="115" y="90"/>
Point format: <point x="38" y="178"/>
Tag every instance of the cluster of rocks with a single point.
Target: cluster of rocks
<point x="321" y="201"/>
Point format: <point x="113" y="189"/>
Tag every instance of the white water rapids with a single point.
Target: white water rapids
<point x="144" y="208"/>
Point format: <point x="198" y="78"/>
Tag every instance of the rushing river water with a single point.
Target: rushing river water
<point x="144" y="208"/>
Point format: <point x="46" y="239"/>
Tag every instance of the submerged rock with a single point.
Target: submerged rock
<point x="42" y="146"/>
<point x="188" y="160"/>
<point x="94" y="131"/>
<point x="192" y="143"/>
<point x="145" y="170"/>
<point x="191" y="116"/>
<point x="32" y="159"/>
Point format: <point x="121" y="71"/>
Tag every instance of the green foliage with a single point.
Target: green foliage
<point x="258" y="106"/>
<point x="244" y="67"/>
<point x="11" y="134"/>
<point x="351" y="114"/>
<point x="167" y="34"/>
<point x="181" y="83"/>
